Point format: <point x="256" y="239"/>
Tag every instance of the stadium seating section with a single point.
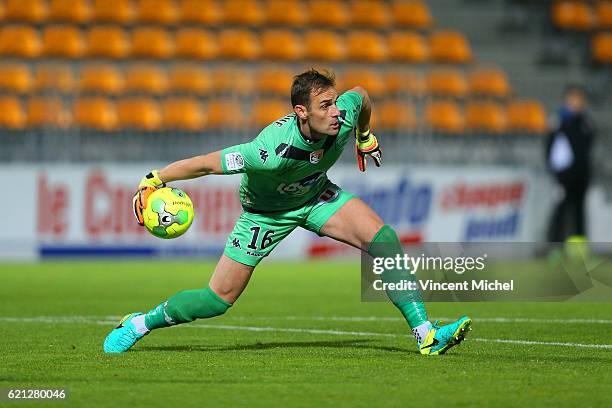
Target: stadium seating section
<point x="196" y="65"/>
<point x="590" y="17"/>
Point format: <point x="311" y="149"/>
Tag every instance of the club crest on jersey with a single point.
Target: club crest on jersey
<point x="329" y="195"/>
<point x="315" y="157"/>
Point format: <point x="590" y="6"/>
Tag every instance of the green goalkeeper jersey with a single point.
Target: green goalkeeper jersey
<point x="281" y="169"/>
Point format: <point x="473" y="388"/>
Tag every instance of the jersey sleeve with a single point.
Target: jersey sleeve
<point x="245" y="158"/>
<point x="349" y="104"/>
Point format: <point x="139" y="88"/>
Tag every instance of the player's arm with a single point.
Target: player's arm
<point x="366" y="143"/>
<point x="193" y="167"/>
<point x="363" y="121"/>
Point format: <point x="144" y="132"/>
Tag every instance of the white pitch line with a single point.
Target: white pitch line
<point x="544" y="343"/>
<point x="291" y="330"/>
<point x="359" y="333"/>
<point x="109" y="320"/>
<point x="70" y="319"/>
<point x="477" y="319"/>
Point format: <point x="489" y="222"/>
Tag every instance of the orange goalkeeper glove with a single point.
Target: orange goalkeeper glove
<point x="367" y="145"/>
<point x="148" y="185"/>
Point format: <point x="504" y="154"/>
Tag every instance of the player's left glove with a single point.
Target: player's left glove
<point x="148" y="184"/>
<point x="367" y="145"/>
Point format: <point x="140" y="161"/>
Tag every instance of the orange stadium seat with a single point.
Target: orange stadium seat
<point x="102" y="78"/>
<point x="526" y="116"/>
<point x="487" y="117"/>
<point x="369" y="13"/>
<point x="13" y="115"/>
<point x="601" y="47"/>
<point x="407" y="46"/>
<point x="15" y="78"/>
<point x="139" y="113"/>
<point x="280" y="44"/>
<point x="238" y="44"/>
<point x="405" y="82"/>
<point x="151" y="42"/>
<point x="195" y="43"/>
<point x="369" y="79"/>
<point x="19" y="41"/>
<point x="226" y="114"/>
<point x="338" y="79"/>
<point x="411" y="13"/>
<point x="489" y="82"/>
<point x="275" y="80"/>
<point x="449" y="46"/>
<point x="285" y="12"/>
<point x="241" y="12"/>
<point x="71" y="11"/>
<point x="444" y="116"/>
<point x="324" y="45"/>
<point x="107" y="41"/>
<point x="141" y="78"/>
<point x="327" y="13"/>
<point x="234" y="80"/>
<point x="190" y="79"/>
<point x="366" y="46"/>
<point x="394" y="114"/>
<point x="113" y="11"/>
<point x="62" y="41"/>
<point x="603" y="11"/>
<point x="53" y="77"/>
<point x="266" y="111"/>
<point x="573" y="15"/>
<point x="157" y="11"/>
<point x="447" y="82"/>
<point x="205" y="12"/>
<point x="95" y="113"/>
<point x="32" y="11"/>
<point x="183" y="114"/>
<point x="47" y="112"/>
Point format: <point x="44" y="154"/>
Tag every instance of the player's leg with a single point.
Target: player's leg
<point x="253" y="238"/>
<point x="352" y="221"/>
<point x="229" y="279"/>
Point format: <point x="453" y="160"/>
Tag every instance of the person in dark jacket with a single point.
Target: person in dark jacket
<point x="568" y="157"/>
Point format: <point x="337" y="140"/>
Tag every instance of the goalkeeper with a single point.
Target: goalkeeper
<point x="284" y="186"/>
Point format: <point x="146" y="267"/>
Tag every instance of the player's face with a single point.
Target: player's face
<point x="575" y="101"/>
<point x="323" y="113"/>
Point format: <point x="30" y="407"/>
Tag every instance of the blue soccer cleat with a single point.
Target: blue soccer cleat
<point x="440" y="338"/>
<point x="123" y="337"/>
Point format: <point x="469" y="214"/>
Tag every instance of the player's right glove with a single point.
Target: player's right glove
<point x="367" y="145"/>
<point x="148" y="184"/>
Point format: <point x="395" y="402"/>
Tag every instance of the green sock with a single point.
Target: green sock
<point x="186" y="306"/>
<point x="386" y="244"/>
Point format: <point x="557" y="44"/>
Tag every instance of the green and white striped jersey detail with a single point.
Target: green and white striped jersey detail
<point x="282" y="170"/>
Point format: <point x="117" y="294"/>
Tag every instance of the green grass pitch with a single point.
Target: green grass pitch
<point x="299" y="336"/>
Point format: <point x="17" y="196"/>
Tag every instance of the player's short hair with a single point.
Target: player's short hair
<point x="310" y="81"/>
<point x="575" y="88"/>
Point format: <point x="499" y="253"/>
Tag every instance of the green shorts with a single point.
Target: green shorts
<point x="255" y="235"/>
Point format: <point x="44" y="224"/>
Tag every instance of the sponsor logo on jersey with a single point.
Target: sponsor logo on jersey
<point x="234" y="161"/>
<point x="236" y="243"/>
<point x="263" y="155"/>
<point x="300" y="187"/>
<point x="315" y="157"/>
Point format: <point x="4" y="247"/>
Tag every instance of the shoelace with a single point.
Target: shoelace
<point x="436" y="324"/>
<point x="128" y="337"/>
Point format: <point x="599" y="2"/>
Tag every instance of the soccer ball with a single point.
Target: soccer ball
<point x="169" y="213"/>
